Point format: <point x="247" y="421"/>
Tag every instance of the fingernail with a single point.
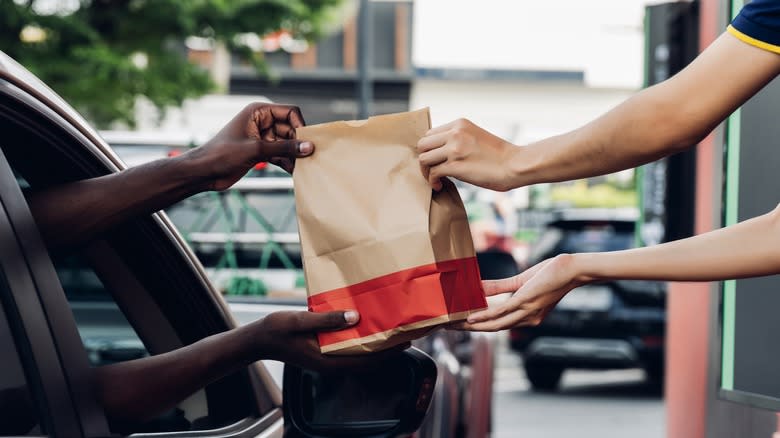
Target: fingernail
<point x="305" y="148"/>
<point x="351" y="317"/>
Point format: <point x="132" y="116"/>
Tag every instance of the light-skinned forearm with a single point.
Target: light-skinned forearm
<point x="748" y="249"/>
<point x="659" y="121"/>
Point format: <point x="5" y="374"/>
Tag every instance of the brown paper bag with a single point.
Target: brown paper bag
<point x="375" y="238"/>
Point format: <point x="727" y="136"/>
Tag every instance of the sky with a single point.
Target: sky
<point x="602" y="38"/>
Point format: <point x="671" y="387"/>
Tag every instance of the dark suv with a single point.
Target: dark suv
<point x="617" y="324"/>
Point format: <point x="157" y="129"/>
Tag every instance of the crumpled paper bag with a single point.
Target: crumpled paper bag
<point x="377" y="239"/>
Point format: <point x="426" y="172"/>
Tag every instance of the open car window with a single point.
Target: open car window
<point x="133" y="292"/>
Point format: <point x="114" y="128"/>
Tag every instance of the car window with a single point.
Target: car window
<point x="246" y="238"/>
<point x="109" y="337"/>
<point x="240" y="229"/>
<point x="18" y="414"/>
<point x="138" y="268"/>
<point x="106" y="333"/>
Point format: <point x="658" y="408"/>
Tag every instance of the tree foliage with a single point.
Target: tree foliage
<point x="101" y="55"/>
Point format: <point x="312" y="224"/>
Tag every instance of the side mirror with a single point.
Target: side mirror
<point x="389" y="400"/>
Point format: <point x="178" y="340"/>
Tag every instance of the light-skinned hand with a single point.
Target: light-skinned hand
<point x="535" y="293"/>
<point x="465" y="151"/>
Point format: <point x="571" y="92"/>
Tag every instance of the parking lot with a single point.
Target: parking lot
<point x="603" y="404"/>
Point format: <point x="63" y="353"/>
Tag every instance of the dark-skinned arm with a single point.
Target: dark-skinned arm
<point x="141" y="389"/>
<point x="74" y="213"/>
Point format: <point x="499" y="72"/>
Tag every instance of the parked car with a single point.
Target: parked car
<point x="140" y="290"/>
<point x="616" y="324"/>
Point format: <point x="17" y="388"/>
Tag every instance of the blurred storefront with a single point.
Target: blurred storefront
<point x="323" y="78"/>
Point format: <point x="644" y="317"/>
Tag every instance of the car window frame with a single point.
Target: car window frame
<point x="39" y="352"/>
<point x="262" y="391"/>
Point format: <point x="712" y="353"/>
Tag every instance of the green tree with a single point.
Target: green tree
<point x="101" y="55"/>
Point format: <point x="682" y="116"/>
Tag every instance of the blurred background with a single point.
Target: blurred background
<point x="159" y="77"/>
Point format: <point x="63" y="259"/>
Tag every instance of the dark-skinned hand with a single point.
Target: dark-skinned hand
<point x="291" y="337"/>
<point x="259" y="133"/>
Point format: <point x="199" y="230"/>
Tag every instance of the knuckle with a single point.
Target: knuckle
<point x="457" y="151"/>
<point x="274" y="322"/>
<point x="562" y="261"/>
<point x="460" y="149"/>
<point x="299" y="320"/>
<point x="254" y="106"/>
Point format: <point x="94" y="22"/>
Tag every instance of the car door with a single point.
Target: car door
<point x="151" y="277"/>
<point x="34" y="396"/>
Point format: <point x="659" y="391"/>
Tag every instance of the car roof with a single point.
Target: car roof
<point x="16" y="74"/>
<point x="152" y="138"/>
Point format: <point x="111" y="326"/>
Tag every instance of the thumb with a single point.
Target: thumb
<point x="316" y="322"/>
<point x="284" y="148"/>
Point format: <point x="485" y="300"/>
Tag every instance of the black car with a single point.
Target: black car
<point x="142" y="280"/>
<point x="617" y="324"/>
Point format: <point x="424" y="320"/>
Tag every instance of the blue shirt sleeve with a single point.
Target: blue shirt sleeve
<point x="758" y="24"/>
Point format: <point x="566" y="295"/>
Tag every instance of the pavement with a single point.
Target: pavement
<point x="589" y="404"/>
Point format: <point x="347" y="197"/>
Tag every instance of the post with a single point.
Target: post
<point x="365" y="85"/>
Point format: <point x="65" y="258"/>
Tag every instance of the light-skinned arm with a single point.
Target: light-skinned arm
<point x="748" y="249"/>
<point x="658" y="121"/>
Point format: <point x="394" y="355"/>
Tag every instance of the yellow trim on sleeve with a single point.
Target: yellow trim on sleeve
<point x="752" y="41"/>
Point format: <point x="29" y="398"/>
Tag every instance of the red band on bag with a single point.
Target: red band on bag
<point x="404" y="297"/>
